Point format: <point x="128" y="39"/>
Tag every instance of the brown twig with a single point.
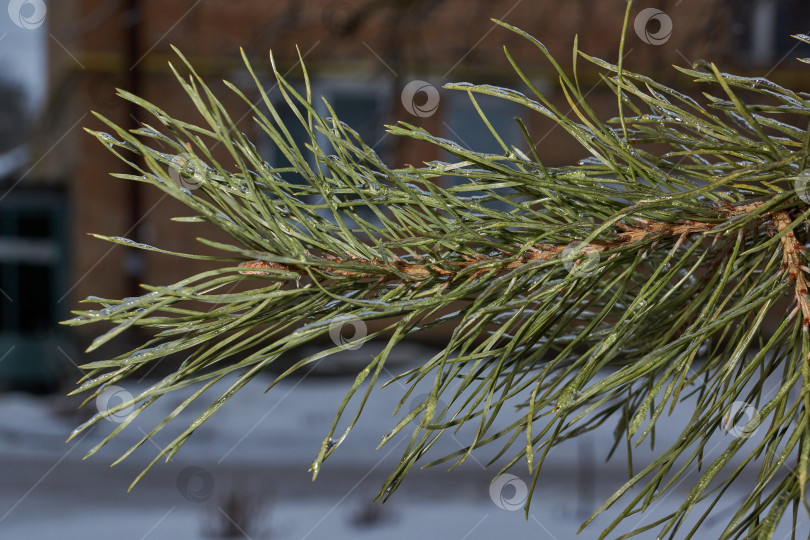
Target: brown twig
<point x="792" y="252"/>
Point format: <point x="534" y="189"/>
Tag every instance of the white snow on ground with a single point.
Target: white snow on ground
<point x="262" y="445"/>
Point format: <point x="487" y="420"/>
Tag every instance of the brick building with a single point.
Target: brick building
<point x="361" y="54"/>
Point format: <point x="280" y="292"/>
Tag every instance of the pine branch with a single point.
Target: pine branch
<point x="540" y="252"/>
<point x="613" y="289"/>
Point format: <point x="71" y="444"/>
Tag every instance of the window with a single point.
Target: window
<point x="464" y="125"/>
<point x="764" y="28"/>
<point x="32" y="263"/>
<point x="362" y="105"/>
<point x="792" y="17"/>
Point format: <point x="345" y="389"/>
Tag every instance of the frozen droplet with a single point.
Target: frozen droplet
<point x="108" y="139"/>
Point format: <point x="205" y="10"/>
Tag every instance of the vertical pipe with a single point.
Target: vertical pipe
<point x="134" y="259"/>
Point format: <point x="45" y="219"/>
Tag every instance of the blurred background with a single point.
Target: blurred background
<point x="376" y="62"/>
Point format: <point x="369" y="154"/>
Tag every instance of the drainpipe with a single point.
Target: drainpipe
<point x="134" y="258"/>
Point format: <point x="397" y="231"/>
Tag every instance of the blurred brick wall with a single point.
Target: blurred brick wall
<point x="396" y="41"/>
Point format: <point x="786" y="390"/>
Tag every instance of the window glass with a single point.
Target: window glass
<point x="34" y="298"/>
<point x="269" y="150"/>
<point x="362" y="114"/>
<point x="361" y="107"/>
<point x="33" y="225"/>
<point x="31" y="259"/>
<point x="793" y="17"/>
<point x="464" y="125"/>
